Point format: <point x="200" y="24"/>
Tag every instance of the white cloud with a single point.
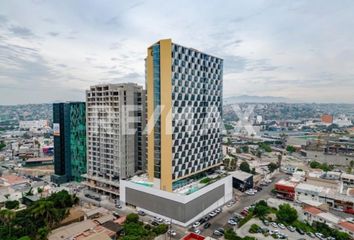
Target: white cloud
<point x="297" y="49"/>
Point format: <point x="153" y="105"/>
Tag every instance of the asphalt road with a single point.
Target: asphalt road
<point x="243" y="201"/>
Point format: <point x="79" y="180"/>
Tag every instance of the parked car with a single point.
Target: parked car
<point x="319" y="235"/>
<point x="158" y="219"/>
<point x="265" y="222"/>
<point x="212" y="214"/>
<point x="197" y="231"/>
<point x="291" y="228"/>
<point x="281" y="225"/>
<point x="171" y="232"/>
<point x="217" y="233"/>
<point x="232" y="222"/>
<point x="274" y="225"/>
<point x="154" y="223"/>
<point x="196" y="224"/>
<point x="206" y="225"/>
<point x="218" y="210"/>
<point x="300" y="231"/>
<point x="141" y="213"/>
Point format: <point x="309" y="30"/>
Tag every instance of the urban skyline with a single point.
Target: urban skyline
<point x="268" y="48"/>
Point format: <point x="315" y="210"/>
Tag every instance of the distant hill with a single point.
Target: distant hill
<point x="255" y="99"/>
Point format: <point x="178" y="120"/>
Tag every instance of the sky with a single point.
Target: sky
<point x="54" y="50"/>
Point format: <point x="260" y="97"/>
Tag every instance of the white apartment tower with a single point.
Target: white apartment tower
<point x="115" y="118"/>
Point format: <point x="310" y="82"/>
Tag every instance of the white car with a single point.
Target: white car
<point x="274" y="225"/>
<point x="218" y="210"/>
<point x="232" y="222"/>
<point x="248" y="192"/>
<point x="157" y="219"/>
<point x="212" y="214"/>
<point x="197" y="231"/>
<point x="281" y="225"/>
<point x="171" y="232"/>
<point x="196" y="224"/>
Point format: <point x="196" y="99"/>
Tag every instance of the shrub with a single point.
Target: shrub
<point x="12" y="204"/>
<point x="254" y="228"/>
<point x="205" y="180"/>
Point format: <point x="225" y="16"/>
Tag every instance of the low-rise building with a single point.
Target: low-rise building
<point x="306" y="191"/>
<point x="285" y="189"/>
<point x="242" y="180"/>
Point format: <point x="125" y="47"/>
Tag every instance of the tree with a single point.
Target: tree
<point x="226" y="163"/>
<point x="286" y="213"/>
<point x="261" y="209"/>
<point x="25" y="238"/>
<point x="46" y="211"/>
<point x="6" y="216"/>
<point x="290" y="149"/>
<point x="233" y="164"/>
<point x="132" y="218"/>
<point x="12" y="204"/>
<point x="245" y="149"/>
<point x="2" y="146"/>
<point x="351" y="163"/>
<point x="265" y="147"/>
<point x="231" y="235"/>
<point x="272" y="167"/>
<point x="244" y="166"/>
<point x="254" y="228"/>
<point x="160" y="229"/>
<point x="315" y="164"/>
<point x="42" y="233"/>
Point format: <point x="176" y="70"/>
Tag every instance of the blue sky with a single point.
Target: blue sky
<point x="54" y="50"/>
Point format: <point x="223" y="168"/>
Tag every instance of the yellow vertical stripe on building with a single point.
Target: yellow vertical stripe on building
<point x="150" y="113"/>
<point x="166" y="118"/>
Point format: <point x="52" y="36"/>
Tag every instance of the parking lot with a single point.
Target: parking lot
<point x="221" y="220"/>
<point x="244" y="231"/>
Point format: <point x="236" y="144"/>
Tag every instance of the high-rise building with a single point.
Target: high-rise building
<point x="115" y="140"/>
<point x="184" y="107"/>
<point x="184" y="110"/>
<point x="69" y="125"/>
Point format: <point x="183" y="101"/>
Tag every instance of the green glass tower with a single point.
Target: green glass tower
<point x="69" y="130"/>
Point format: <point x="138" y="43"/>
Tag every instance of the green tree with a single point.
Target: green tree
<point x="46" y="211"/>
<point x="286" y="213"/>
<point x="226" y="163"/>
<point x="42" y="233"/>
<point x="315" y="164"/>
<point x="351" y="163"/>
<point x="231" y="235"/>
<point x="244" y="166"/>
<point x="265" y="147"/>
<point x="272" y="167"/>
<point x="12" y="204"/>
<point x="2" y="146"/>
<point x="290" y="148"/>
<point x="132" y="218"/>
<point x="160" y="229"/>
<point x="6" y="216"/>
<point x="261" y="209"/>
<point x="24" y="238"/>
<point x="254" y="228"/>
<point x="245" y="149"/>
